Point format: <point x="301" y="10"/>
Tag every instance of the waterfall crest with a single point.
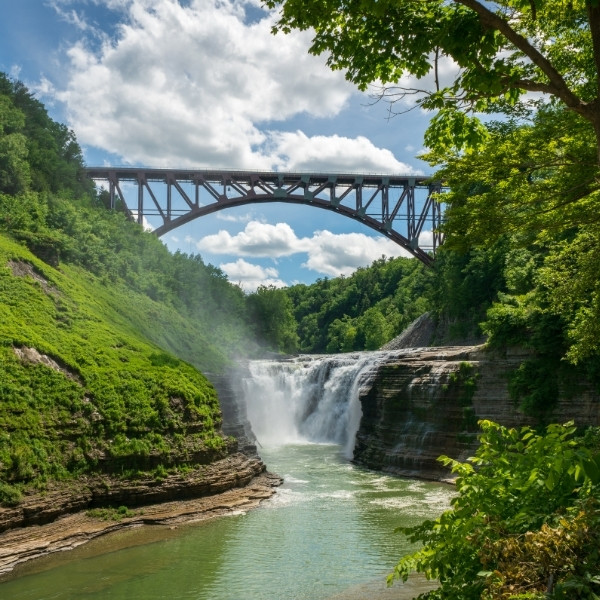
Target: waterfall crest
<point x="308" y="398"/>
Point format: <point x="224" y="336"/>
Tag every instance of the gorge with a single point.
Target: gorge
<point x="394" y="411"/>
<point x="330" y="519"/>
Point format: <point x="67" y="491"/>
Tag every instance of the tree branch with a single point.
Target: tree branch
<point x="534" y="86"/>
<point x="557" y="84"/>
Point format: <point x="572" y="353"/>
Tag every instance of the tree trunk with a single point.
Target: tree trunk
<point x="593" y="13"/>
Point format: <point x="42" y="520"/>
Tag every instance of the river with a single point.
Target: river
<point x="326" y="534"/>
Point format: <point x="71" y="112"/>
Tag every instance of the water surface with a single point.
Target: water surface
<point x="327" y="534"/>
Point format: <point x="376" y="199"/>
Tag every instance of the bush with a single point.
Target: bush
<point x="10" y="495"/>
<point x="525" y="523"/>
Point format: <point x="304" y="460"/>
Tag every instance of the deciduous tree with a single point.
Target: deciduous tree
<point x="501" y="51"/>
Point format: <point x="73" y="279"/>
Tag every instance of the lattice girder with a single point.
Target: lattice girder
<point x="402" y="208"/>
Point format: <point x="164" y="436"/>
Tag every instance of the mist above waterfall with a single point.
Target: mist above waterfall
<point x="308" y="398"/>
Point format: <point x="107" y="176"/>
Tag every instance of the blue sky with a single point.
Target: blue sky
<point x="204" y="83"/>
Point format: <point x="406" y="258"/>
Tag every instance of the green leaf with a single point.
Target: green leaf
<point x="591" y="470"/>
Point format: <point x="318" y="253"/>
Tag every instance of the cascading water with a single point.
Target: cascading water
<point x="308" y="398"/>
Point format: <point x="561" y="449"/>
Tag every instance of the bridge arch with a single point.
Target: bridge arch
<point x="400" y="207"/>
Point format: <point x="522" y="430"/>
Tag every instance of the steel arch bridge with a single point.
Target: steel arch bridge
<point x="403" y="208"/>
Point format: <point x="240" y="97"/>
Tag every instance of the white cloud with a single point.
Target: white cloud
<point x="195" y="85"/>
<point x="189" y="84"/>
<point x="258" y="240"/>
<point x="426" y="239"/>
<point x="333" y="153"/>
<point x="327" y="253"/>
<point x="250" y="276"/>
<point x="341" y="254"/>
<point x="145" y="223"/>
<point x="72" y="17"/>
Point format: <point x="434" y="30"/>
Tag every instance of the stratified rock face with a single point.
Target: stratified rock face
<point x="423" y="403"/>
<point x="61" y="498"/>
<point x="235" y="419"/>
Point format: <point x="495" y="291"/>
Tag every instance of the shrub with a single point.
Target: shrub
<point x="525" y="522"/>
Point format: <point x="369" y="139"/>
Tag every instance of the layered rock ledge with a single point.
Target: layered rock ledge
<point x="61" y="518"/>
<point x="421" y="403"/>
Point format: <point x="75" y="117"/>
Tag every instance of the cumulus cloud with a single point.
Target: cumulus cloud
<point x="195" y="84"/>
<point x="327" y="253"/>
<point x="250" y="276"/>
<point x="341" y="254"/>
<point x="258" y="240"/>
<point x="298" y="152"/>
<point x="426" y="239"/>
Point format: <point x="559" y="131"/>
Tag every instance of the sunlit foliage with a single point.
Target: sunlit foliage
<point x="525" y="522"/>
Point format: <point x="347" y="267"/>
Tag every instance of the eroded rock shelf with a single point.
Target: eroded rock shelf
<point x="421" y="403"/>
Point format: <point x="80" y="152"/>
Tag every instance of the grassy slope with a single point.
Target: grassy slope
<point x="120" y="401"/>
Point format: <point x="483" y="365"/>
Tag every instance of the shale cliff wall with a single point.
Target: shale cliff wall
<point x="421" y="403"/>
<point x="233" y="408"/>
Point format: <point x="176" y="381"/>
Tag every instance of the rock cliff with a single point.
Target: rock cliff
<point x="421" y="403"/>
<point x="235" y="420"/>
<point x="22" y="544"/>
<point x="102" y="490"/>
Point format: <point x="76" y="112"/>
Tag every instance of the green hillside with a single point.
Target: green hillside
<point x="80" y="388"/>
<point x="362" y="311"/>
<point x="103" y="332"/>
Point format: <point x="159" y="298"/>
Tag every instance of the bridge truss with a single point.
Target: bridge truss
<point x="403" y="208"/>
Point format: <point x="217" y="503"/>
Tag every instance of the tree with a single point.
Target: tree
<point x="53" y="156"/>
<point x="525" y="522"/>
<point x="374" y="327"/>
<point x="530" y="177"/>
<point x="501" y="50"/>
<point x="14" y="169"/>
<point x="341" y="335"/>
<point x="531" y="187"/>
<point x="271" y="310"/>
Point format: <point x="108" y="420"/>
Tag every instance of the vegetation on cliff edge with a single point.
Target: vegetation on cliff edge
<point x="524" y="525"/>
<point x="95" y="318"/>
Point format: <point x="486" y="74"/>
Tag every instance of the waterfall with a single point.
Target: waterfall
<point x="308" y="398"/>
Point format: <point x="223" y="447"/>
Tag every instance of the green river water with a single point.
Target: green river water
<point x="326" y="534"/>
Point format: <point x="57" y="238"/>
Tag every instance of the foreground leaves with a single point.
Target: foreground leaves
<point x="525" y="523"/>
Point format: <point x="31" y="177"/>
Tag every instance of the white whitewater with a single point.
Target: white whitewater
<point x="308" y="398"/>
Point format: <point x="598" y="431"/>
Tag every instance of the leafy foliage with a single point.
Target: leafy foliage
<point x="36" y="152"/>
<point x="272" y="309"/>
<point x="533" y="178"/>
<point x="524" y="206"/>
<point x="463" y="289"/>
<point x="525" y="522"/>
<point x="502" y="50"/>
<point x="360" y="312"/>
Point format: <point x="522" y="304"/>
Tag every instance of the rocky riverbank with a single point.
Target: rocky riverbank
<point x="68" y="515"/>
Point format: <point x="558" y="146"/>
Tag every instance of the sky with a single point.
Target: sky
<point x="205" y="84"/>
